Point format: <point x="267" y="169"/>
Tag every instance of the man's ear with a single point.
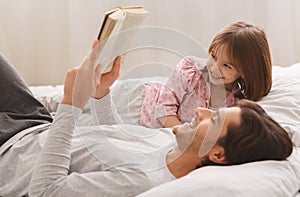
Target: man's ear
<point x="217" y="155"/>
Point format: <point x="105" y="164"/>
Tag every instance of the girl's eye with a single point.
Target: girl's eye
<point x="227" y="66"/>
<point x="213" y="56"/>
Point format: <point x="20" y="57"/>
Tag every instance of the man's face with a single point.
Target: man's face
<point x="206" y="128"/>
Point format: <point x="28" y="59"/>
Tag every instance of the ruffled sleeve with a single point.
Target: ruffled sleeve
<point x="185" y="76"/>
<point x="161" y="101"/>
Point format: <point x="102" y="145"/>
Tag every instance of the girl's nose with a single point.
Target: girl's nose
<point x="215" y="68"/>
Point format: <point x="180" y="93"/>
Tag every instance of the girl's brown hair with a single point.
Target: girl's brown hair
<point x="249" y="52"/>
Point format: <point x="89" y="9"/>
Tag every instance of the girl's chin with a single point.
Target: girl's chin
<point x="217" y="82"/>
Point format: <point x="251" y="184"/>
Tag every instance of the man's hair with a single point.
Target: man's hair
<point x="249" y="52"/>
<point x="257" y="138"/>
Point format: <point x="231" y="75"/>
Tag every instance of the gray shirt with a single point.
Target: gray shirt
<point x="118" y="160"/>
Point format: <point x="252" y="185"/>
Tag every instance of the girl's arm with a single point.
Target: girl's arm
<point x="180" y="83"/>
<point x="170" y="121"/>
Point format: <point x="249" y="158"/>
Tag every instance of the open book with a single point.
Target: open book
<point x="116" y="21"/>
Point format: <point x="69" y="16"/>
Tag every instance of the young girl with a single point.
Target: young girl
<point x="239" y="66"/>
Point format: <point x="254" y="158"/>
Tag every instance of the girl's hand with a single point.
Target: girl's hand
<point x="170" y="121"/>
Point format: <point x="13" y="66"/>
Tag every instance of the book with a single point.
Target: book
<point x="118" y="20"/>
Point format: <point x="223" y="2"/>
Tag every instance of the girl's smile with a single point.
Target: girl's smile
<point x="221" y="70"/>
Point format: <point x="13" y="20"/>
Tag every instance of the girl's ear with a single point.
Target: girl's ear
<point x="241" y="86"/>
<point x="217" y="155"/>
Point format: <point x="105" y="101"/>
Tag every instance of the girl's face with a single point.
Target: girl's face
<point x="220" y="69"/>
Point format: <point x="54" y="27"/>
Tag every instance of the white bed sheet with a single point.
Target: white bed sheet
<point x="49" y="96"/>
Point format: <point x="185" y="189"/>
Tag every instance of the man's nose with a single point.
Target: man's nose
<point x="202" y="113"/>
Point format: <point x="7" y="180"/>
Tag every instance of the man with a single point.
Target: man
<point x="124" y="160"/>
<point x="240" y="134"/>
<point x="19" y="110"/>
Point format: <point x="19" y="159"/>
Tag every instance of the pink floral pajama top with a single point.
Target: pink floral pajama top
<point x="187" y="88"/>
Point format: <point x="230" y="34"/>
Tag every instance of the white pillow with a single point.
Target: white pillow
<point x="259" y="179"/>
<point x="265" y="178"/>
<point x="283" y="102"/>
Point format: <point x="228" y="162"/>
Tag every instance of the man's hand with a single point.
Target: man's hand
<point x="107" y="79"/>
<point x="80" y="83"/>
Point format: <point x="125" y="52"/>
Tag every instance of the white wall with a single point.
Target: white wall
<point x="44" y="38"/>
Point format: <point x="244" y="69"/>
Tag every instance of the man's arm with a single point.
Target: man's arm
<point x="50" y="176"/>
<point x="102" y="108"/>
<point x="104" y="111"/>
<point x="54" y="160"/>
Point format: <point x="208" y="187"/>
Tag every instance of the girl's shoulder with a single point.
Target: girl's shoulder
<point x="191" y="70"/>
<point x="193" y="62"/>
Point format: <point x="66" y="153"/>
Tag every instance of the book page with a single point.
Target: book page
<point x="132" y="21"/>
<point x="119" y="41"/>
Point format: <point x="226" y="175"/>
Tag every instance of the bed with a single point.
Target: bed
<point x="266" y="178"/>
